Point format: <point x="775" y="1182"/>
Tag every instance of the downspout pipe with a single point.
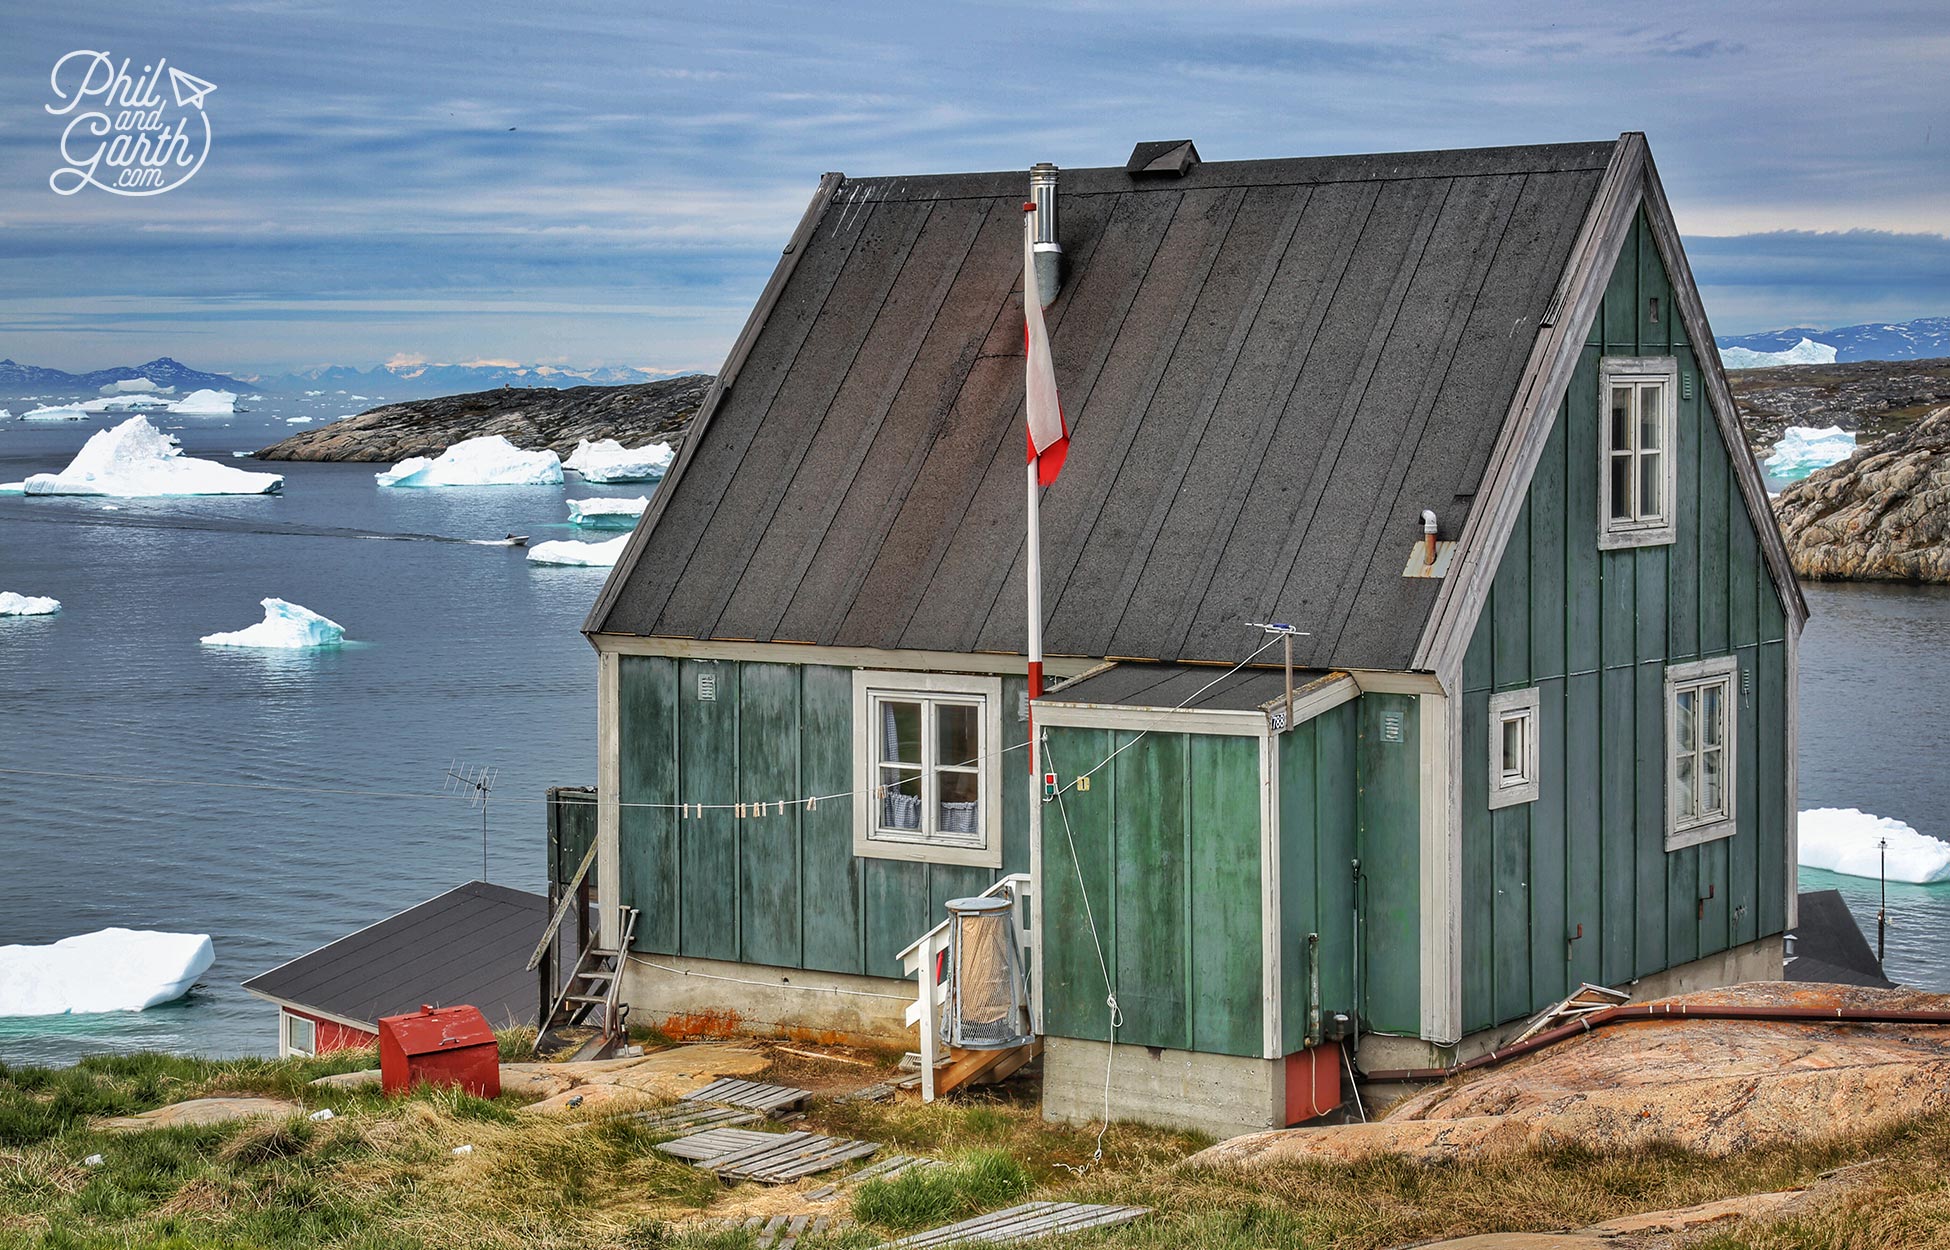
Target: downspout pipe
<point x="1044" y="244"/>
<point x="1630" y="1012"/>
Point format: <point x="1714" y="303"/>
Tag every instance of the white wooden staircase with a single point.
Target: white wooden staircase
<point x="941" y="1074"/>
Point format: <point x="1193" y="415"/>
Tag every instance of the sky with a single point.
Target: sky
<point x="590" y="185"/>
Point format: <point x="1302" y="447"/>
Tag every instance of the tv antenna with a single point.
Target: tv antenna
<point x="1287" y="633"/>
<point x="476" y="781"/>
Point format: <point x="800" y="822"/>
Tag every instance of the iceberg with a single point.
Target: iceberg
<point x="135" y="458"/>
<point x="299" y="420"/>
<point x="1803" y="450"/>
<point x="607" y="513"/>
<point x="1844" y="840"/>
<point x="206" y="404"/>
<point x="489" y="461"/>
<point x="609" y="461"/>
<point x="286" y="625"/>
<point x="12" y="604"/>
<point x="124" y="403"/>
<point x="1806" y="352"/>
<point x="55" y="412"/>
<point x="110" y="970"/>
<point x="130" y="386"/>
<point x="587" y="555"/>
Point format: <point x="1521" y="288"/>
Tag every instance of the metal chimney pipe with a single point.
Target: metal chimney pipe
<point x="1048" y="252"/>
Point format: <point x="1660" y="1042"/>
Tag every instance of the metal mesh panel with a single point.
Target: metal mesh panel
<point x="986" y="1009"/>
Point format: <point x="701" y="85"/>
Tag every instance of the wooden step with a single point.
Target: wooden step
<point x="587" y="998"/>
<point x="598" y="975"/>
<point x="971" y="1065"/>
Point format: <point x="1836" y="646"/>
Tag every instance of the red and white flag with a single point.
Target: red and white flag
<point x="1049" y="437"/>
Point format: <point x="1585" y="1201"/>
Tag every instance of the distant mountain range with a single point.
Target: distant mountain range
<point x="381" y="382"/>
<point x="163" y="371"/>
<point x="421" y="381"/>
<point x="1925" y="338"/>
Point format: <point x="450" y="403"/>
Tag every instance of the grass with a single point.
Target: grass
<point x="381" y="1175"/>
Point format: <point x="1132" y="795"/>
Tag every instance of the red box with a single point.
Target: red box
<point x="439" y="1046"/>
<point x="1313" y="1082"/>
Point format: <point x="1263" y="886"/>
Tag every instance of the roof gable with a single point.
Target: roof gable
<point x="1270" y="368"/>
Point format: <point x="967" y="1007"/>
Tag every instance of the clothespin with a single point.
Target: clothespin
<point x="812" y="803"/>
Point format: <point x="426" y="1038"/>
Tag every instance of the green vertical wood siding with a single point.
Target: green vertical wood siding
<point x="1167" y="843"/>
<point x="1594" y="630"/>
<point x="1390" y="848"/>
<point x="1319" y="837"/>
<point x="783" y="890"/>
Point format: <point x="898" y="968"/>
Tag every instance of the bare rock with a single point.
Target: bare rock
<point x="1712" y="1086"/>
<point x="1881" y="515"/>
<point x="534" y="418"/>
<point x="349" y="1080"/>
<point x="200" y="1112"/>
<point x="589" y="1098"/>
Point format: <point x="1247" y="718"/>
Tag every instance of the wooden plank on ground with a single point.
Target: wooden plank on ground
<point x="713" y="1143"/>
<point x="751" y="1095"/>
<point x="1022" y="1223"/>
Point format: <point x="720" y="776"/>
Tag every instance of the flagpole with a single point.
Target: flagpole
<point x="1035" y="535"/>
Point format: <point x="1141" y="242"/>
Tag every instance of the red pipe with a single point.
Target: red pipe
<point x="1659" y="1011"/>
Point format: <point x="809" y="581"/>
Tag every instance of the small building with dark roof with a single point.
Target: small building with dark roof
<point x="470" y="945"/>
<point x="1454" y="418"/>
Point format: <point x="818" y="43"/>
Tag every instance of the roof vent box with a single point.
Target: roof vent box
<point x="1168" y="158"/>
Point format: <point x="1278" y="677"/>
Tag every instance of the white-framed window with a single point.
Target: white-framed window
<point x="1637" y="474"/>
<point x="300" y="1035"/>
<point x="1514" y="725"/>
<point x="926" y="770"/>
<point x="1701" y="719"/>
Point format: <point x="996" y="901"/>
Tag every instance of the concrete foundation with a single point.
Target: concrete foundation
<point x="709" y="997"/>
<point x="1756" y="961"/>
<point x="1223" y="1095"/>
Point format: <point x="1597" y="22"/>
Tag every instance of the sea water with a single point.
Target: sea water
<point x="319" y="800"/>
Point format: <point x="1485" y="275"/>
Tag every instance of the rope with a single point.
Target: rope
<point x="1103" y="966"/>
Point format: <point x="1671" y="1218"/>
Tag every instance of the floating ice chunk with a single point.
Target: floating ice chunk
<point x="1806" y="352"/>
<point x="489" y="461"/>
<point x="314" y="394"/>
<point x="6" y="415"/>
<point x="13" y="488"/>
<point x="124" y="403"/>
<point x="135" y="458"/>
<point x="299" y="420"/>
<point x="206" y="404"/>
<point x="590" y="555"/>
<point x="1844" y="840"/>
<point x="55" y="412"/>
<point x="1803" y="450"/>
<point x="111" y="970"/>
<point x="609" y="461"/>
<point x="284" y="625"/>
<point x="607" y="513"/>
<point x="12" y="604"/>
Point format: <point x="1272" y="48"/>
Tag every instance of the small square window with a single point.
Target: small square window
<point x="300" y="1035"/>
<point x="1514" y="724"/>
<point x="1636" y="478"/>
<point x="1700" y="754"/>
<point x="926" y="772"/>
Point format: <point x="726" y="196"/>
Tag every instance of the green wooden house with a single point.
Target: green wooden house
<point x="1455" y="416"/>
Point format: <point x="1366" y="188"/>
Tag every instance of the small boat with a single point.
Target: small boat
<point x="512" y="540"/>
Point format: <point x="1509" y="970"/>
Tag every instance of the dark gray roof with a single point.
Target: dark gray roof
<point x="1829" y="946"/>
<point x="1269" y="368"/>
<point x="1184" y="685"/>
<point x="470" y="945"/>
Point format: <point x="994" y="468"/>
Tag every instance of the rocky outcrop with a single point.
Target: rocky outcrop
<point x="1881" y="515"/>
<point x="533" y="418"/>
<point x="1711" y="1086"/>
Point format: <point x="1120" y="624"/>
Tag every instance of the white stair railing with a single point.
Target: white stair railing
<point x="922" y="961"/>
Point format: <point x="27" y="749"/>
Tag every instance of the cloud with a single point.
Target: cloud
<point x="1781" y="278"/>
<point x="594" y="180"/>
